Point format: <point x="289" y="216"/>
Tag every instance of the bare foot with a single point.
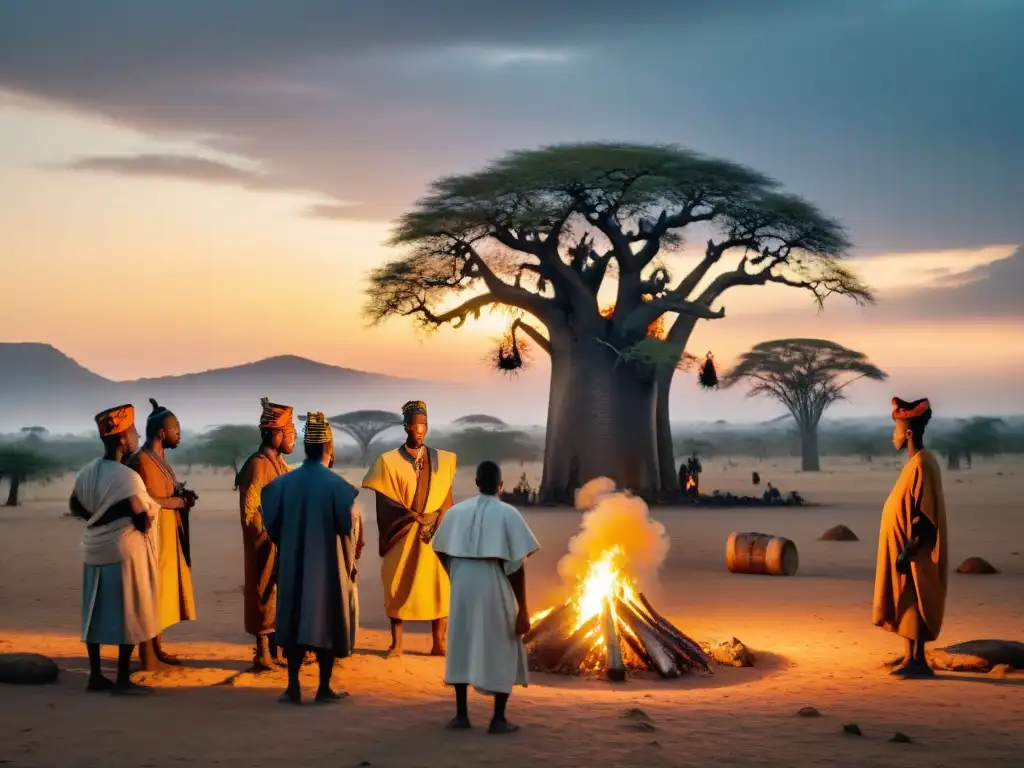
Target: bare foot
<point x="915" y="670"/>
<point x="262" y="665"/>
<point x="499" y="727"/>
<point x="327" y="696"/>
<point x="100" y="683"/>
<point x="393" y="651"/>
<point x="290" y="697"/>
<point x="458" y="723"/>
<point x="169" y="658"/>
<point x="437" y="651"/>
<point x="130" y="689"/>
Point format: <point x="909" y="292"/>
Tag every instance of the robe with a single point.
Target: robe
<point x="487" y="541"/>
<point x="175" y="598"/>
<point x="259" y="553"/>
<point x="308" y="514"/>
<point x="410" y="506"/>
<point x="119" y="579"/>
<point x="915" y="505"/>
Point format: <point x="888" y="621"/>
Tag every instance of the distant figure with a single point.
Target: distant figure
<point x="277" y="439"/>
<point x="413" y="485"/>
<point x="684" y="477"/>
<point x="756" y="478"/>
<point x="772" y="494"/>
<point x="175" y="598"/>
<point x="308" y="515"/>
<point x="119" y="581"/>
<point x="694" y="469"/>
<point x="912" y="569"/>
<point x="483" y="543"/>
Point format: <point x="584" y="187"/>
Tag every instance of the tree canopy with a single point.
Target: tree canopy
<point x="363" y="426"/>
<point x="225" y="446"/>
<point x="20" y="463"/>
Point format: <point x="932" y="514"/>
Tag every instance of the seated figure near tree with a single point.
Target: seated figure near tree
<point x="483" y="543"/>
<point x="119" y="582"/>
<point x="413" y="487"/>
<point x="912" y="569"/>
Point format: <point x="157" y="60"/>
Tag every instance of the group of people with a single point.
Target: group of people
<point x="458" y="566"/>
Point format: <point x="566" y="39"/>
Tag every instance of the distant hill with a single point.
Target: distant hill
<point x="39" y="384"/>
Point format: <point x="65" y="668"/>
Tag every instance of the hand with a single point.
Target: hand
<point x="522" y="623"/>
<point x="903" y="564"/>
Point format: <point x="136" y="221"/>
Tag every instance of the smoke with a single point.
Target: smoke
<point x="614" y="518"/>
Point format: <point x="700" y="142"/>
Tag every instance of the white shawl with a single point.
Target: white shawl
<point x="485" y="528"/>
<point x="100" y="485"/>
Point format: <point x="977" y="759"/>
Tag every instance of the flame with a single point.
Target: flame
<point x="603" y="583"/>
<point x="690" y="483"/>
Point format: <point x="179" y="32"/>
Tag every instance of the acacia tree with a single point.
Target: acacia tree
<point x="806" y="376"/>
<point x="20" y="463"/>
<point x="363" y="426"/>
<point x="540" y="233"/>
<point x="481" y="420"/>
<point x="225" y="446"/>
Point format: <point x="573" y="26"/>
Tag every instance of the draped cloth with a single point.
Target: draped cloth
<point x="410" y="506"/>
<point x="487" y="541"/>
<point x="916" y="504"/>
<point x="259" y="552"/>
<point x="308" y="514"/>
<point x="117" y="557"/>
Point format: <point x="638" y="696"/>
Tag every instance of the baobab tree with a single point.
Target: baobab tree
<point x="539" y="234"/>
<point x="806" y="376"/>
<point x="363" y="426"/>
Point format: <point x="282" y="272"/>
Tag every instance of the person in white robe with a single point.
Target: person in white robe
<point x="120" y="574"/>
<point x="484" y="543"/>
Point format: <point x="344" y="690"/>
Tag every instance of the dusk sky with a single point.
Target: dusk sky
<point x="171" y="172"/>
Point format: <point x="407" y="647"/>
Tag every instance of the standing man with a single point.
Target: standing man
<point x="483" y="543"/>
<point x="413" y="484"/>
<point x="277" y="439"/>
<point x="175" y="598"/>
<point x="912" y="569"/>
<point x="308" y="515"/>
<point x="119" y="582"/>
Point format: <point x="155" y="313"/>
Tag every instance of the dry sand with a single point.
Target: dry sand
<point x="812" y="634"/>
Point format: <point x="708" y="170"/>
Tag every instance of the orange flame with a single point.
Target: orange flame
<point x="656" y="330"/>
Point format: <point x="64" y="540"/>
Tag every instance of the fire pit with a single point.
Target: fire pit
<point x="608" y="626"/>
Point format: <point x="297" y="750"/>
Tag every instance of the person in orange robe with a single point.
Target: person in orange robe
<point x="912" y="569"/>
<point x="175" y="596"/>
<point x="277" y="439"/>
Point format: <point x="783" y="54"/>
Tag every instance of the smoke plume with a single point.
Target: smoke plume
<point x="614" y="518"/>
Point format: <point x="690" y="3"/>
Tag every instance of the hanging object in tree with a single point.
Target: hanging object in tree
<point x="508" y="357"/>
<point x="708" y="376"/>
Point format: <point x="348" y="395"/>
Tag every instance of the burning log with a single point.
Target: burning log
<point x="693" y="649"/>
<point x="615" y="669"/>
<point x="578" y="646"/>
<point x="661" y="660"/>
<point x="556" y="620"/>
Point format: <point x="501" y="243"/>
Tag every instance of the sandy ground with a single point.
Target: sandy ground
<point x="812" y="633"/>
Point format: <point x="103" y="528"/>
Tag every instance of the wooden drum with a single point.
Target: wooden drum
<point x="761" y="553"/>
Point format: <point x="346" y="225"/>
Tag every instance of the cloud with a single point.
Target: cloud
<point x="912" y="148"/>
<point x="183" y="167"/>
<point x="991" y="290"/>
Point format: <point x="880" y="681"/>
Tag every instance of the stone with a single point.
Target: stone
<point x="853" y="729"/>
<point x="977" y="566"/>
<point x="731" y="653"/>
<point x="1000" y="670"/>
<point x="27" y="669"/>
<point x="838" y="533"/>
<point x="975" y="656"/>
<point x="638" y="720"/>
<point x="900" y="738"/>
<point x="808" y="712"/>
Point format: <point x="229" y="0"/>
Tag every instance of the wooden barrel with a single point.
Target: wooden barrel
<point x="761" y="553"/>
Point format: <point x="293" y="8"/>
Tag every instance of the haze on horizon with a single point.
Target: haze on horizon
<point x="172" y="177"/>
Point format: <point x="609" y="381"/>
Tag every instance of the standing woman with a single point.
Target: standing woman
<point x="912" y="569"/>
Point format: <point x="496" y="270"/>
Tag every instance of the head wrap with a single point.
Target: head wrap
<point x="116" y="420"/>
<point x="412" y="408"/>
<point x="317" y="430"/>
<point x="275" y="416"/>
<point x="904" y="411"/>
<point x="158" y="412"/>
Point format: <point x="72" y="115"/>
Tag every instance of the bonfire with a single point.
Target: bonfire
<point x="609" y="626"/>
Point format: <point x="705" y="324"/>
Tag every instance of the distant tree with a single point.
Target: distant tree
<point x="480" y="420"/>
<point x="978" y="436"/>
<point x="225" y="446"/>
<point x="34" y="434"/>
<point x="805" y="375"/>
<point x="20" y="464"/>
<point x="363" y="427"/>
<point x="475" y="445"/>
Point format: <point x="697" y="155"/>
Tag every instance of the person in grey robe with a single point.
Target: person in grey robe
<point x="308" y="514"/>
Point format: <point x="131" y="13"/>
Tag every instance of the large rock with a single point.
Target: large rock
<point x="976" y="565"/>
<point x="838" y="533"/>
<point x="977" y="656"/>
<point x="27" y="669"/>
<point x="730" y="653"/>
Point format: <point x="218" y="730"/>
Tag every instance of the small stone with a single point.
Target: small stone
<point x="838" y="533"/>
<point x="731" y="653"/>
<point x="976" y="566"/>
<point x="853" y="729"/>
<point x="808" y="712"/>
<point x="1000" y="670"/>
<point x="638" y="720"/>
<point x="900" y="738"/>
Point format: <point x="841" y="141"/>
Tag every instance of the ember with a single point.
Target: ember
<point x="608" y="625"/>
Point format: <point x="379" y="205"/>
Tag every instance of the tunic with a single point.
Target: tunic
<point x="260" y="555"/>
<point x="175" y="597"/>
<point x="119" y="577"/>
<point x="487" y="541"/>
<point x="410" y="506"/>
<point x="916" y="505"/>
<point x="308" y="516"/>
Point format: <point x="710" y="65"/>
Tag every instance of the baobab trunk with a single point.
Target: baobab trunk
<point x="809" y="461"/>
<point x="600" y="423"/>
<point x="679" y="334"/>
<point x="12" y="493"/>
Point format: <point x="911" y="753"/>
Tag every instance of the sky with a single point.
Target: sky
<point x="190" y="185"/>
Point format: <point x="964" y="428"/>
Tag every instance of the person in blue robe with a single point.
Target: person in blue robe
<point x="309" y="515"/>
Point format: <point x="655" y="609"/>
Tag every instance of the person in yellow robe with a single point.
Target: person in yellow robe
<point x="413" y="488"/>
<point x="912" y="568"/>
<point x="277" y="438"/>
<point x="175" y="597"/>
